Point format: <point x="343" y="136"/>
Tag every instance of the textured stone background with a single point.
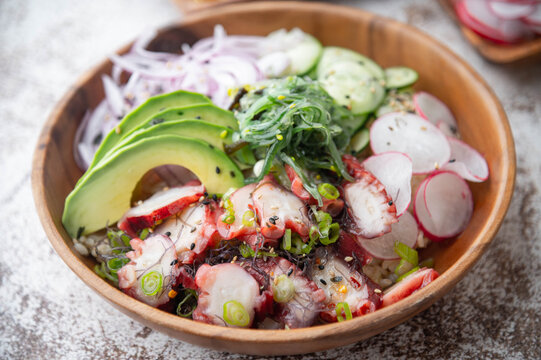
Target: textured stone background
<point x="46" y="312"/>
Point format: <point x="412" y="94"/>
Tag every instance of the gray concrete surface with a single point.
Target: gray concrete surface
<point x="46" y="312"/>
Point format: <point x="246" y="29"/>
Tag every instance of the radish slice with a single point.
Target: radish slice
<point x="393" y="170"/>
<point x="447" y="129"/>
<point x="409" y="285"/>
<point x="433" y="109"/>
<point x="405" y="230"/>
<point x="423" y="142"/>
<point x="535" y="17"/>
<point x="443" y="205"/>
<point x="510" y="10"/>
<point x="466" y="162"/>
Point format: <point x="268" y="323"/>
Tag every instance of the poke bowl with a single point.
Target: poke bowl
<point x="480" y="120"/>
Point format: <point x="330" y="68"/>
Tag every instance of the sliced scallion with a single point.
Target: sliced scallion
<point x="151" y="283"/>
<point x="235" y="314"/>
<point x="328" y="191"/>
<point x="228" y="219"/>
<point x="283" y="289"/>
<point x="406" y="253"/>
<point x="407" y="274"/>
<point x="286" y="241"/>
<point x="248" y="218"/>
<point x="188" y="304"/>
<point x="342" y="309"/>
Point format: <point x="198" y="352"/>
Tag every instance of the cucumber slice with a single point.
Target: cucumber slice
<point x="353" y="86"/>
<point x="399" y="77"/>
<point x="359" y="141"/>
<point x="303" y="50"/>
<point x="334" y="54"/>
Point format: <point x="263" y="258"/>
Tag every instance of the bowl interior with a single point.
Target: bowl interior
<point x="481" y="121"/>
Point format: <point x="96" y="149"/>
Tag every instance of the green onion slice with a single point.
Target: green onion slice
<point x="332" y="232"/>
<point x="403" y="267"/>
<point x="248" y="218"/>
<point x="283" y="289"/>
<point x="116" y="264"/>
<point x="406" y="253"/>
<point x="189" y="301"/>
<point x="151" y="283"/>
<point x="429" y="263"/>
<point x="328" y="191"/>
<point x="235" y="314"/>
<point x="228" y="219"/>
<point x="342" y="308"/>
<point x="401" y="277"/>
<point x="286" y="241"/>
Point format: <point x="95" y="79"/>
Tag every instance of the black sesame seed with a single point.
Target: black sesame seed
<point x="214" y="197"/>
<point x="80" y="232"/>
<point x="206" y="194"/>
<point x="192" y="246"/>
<point x="289" y="272"/>
<point x="198" y="117"/>
<point x="321" y="267"/>
<point x="390" y="203"/>
<point x="347" y="96"/>
<point x="218" y="170"/>
<point x="180" y="113"/>
<point x="452" y="160"/>
<point x="323" y="281"/>
<point x="211" y="146"/>
<point x="97" y="139"/>
<point x="193" y="229"/>
<point x="232" y="173"/>
<point x="336" y="279"/>
<point x="205" y="202"/>
<point x="174" y="262"/>
<point x="156" y="121"/>
<point x="167" y="233"/>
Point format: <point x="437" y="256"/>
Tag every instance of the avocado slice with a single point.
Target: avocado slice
<point x="216" y="135"/>
<point x="104" y="195"/>
<point x="205" y="112"/>
<point x="147" y="109"/>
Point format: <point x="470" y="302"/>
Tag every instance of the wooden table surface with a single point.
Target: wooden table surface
<point x="46" y="312"/>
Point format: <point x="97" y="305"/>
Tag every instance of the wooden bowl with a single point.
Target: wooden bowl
<point x="481" y="120"/>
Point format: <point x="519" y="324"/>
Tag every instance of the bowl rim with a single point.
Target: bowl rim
<point x="383" y="318"/>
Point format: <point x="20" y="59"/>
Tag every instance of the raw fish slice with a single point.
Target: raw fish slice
<point x="192" y="231"/>
<point x="220" y="284"/>
<point x="303" y="309"/>
<point x="278" y="209"/>
<point x="409" y="285"/>
<point x="156" y="255"/>
<point x="332" y="206"/>
<point x="159" y="206"/>
<point x="343" y="284"/>
<point x="371" y="209"/>
<point x="242" y="203"/>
